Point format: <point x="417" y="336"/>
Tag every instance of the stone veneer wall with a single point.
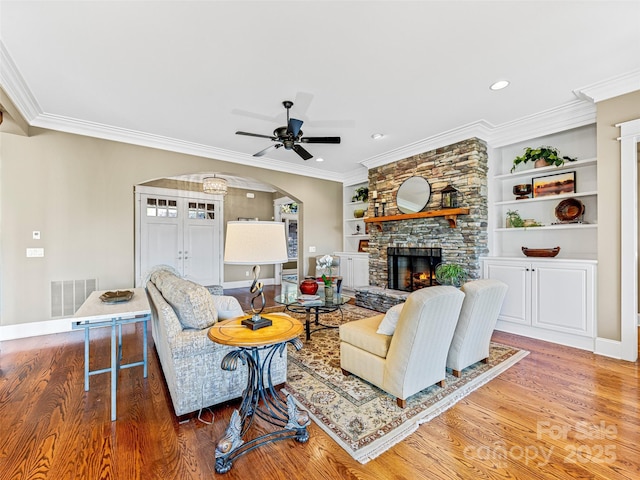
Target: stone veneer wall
<point x="462" y="165"/>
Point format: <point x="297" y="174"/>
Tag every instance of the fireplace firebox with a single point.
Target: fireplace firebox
<point x="412" y="268"/>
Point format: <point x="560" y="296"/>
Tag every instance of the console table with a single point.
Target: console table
<point x="94" y="313"/>
<point x="256" y="349"/>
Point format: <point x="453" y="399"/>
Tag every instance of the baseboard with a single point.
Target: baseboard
<point x="33" y="329"/>
<point x="567" y="339"/>
<point x="609" y="348"/>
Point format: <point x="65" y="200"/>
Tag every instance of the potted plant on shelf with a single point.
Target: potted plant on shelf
<point x="451" y="274"/>
<point x="515" y="220"/>
<point x="542" y="157"/>
<point x="361" y="194"/>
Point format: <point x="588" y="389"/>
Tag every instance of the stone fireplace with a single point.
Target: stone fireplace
<point x="462" y="165"/>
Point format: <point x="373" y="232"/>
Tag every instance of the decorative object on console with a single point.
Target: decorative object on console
<point x="214" y="185"/>
<point x="554" y="184"/>
<point x="309" y="286"/>
<point x="449" y="197"/>
<point x="522" y="191"/>
<point x="451" y="274"/>
<point x="413" y="195"/>
<point x="542" y="156"/>
<point x="326" y="262"/>
<point x="361" y="194"/>
<point x="118" y="296"/>
<point x="541" y="252"/>
<point x="570" y="210"/>
<point x="256" y="243"/>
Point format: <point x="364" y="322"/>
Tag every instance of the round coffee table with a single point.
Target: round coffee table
<point x="292" y="304"/>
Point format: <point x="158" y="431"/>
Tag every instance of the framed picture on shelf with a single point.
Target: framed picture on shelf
<point x="363" y="246"/>
<point x="554" y="184"/>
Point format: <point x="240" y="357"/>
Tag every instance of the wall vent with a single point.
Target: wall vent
<point x="68" y="295"/>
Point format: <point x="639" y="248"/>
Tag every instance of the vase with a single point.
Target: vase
<point x="309" y="286"/>
<point x="328" y="293"/>
<point x="541" y="162"/>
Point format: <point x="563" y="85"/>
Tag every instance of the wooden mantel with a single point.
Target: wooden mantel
<point x="451" y="214"/>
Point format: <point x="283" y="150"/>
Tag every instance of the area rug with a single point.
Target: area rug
<point x="361" y="418"/>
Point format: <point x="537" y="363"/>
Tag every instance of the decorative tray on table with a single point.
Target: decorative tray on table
<point x="118" y="296"/>
<point x="540" y="252"/>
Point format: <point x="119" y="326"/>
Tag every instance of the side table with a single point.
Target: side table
<point x="256" y="349"/>
<point x="94" y="313"/>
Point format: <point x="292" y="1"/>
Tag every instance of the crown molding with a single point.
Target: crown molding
<point x="611" y="87"/>
<point x="577" y="113"/>
<point x="480" y="129"/>
<point x="16" y="88"/>
<point x="107" y="132"/>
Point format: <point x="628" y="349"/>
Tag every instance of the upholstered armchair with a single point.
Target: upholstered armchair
<point x="482" y="302"/>
<point x="414" y="356"/>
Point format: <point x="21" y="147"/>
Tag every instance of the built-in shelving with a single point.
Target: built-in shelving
<point x="575" y="239"/>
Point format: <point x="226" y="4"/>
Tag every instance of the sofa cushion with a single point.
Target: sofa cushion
<point x="192" y="303"/>
<point x="390" y="320"/>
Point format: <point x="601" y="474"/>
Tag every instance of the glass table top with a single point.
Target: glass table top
<point x="294" y="298"/>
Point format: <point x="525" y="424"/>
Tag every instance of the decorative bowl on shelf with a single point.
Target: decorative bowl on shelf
<point x="359" y="213"/>
<point x="540" y="252"/>
<point x="522" y="191"/>
<point x="569" y="210"/>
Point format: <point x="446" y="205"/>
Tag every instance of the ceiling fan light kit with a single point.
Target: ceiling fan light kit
<point x="290" y="137"/>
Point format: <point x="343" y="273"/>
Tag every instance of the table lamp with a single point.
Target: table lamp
<point x="255" y="243"/>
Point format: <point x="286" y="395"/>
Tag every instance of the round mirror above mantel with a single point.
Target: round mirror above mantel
<point x="413" y="195"/>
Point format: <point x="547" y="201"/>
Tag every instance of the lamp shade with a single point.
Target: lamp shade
<point x="255" y="243"/>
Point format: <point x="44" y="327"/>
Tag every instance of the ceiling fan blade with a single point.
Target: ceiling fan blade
<point x="302" y="152"/>
<point x="262" y="152"/>
<point x="294" y="126"/>
<point x="320" y="140"/>
<point x="256" y="135"/>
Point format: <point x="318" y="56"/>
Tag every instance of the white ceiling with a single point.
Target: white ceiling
<point x="186" y="75"/>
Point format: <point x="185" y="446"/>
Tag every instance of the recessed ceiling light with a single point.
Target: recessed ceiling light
<point x="377" y="136"/>
<point x="499" y="85"/>
<point x="319" y="159"/>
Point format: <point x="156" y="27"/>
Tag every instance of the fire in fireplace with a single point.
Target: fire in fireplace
<point x="412" y="268"/>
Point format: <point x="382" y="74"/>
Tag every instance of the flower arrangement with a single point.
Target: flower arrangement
<point x="326" y="262"/>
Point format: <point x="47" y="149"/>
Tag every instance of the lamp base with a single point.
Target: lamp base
<point x="256" y="322"/>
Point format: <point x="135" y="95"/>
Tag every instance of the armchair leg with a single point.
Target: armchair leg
<point x="402" y="403"/>
<point x="345" y="373"/>
<point x="485" y="360"/>
<point x="456" y="373"/>
<point x="442" y="383"/>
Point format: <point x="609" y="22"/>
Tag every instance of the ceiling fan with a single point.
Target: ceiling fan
<point x="290" y="137"/>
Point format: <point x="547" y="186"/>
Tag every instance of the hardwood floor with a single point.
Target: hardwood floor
<point x="559" y="413"/>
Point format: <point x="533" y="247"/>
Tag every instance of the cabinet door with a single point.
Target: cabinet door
<point x="563" y="298"/>
<point x="517" y="302"/>
<point x="360" y="270"/>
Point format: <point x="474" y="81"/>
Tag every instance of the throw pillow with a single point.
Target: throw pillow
<point x="192" y="303"/>
<point x="388" y="324"/>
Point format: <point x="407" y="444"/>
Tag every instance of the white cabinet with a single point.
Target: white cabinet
<point x="182" y="232"/>
<point x="549" y="299"/>
<point x="354" y="228"/>
<point x="354" y="269"/>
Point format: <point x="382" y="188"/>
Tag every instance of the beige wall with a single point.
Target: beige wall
<point x="78" y="192"/>
<point x="609" y="113"/>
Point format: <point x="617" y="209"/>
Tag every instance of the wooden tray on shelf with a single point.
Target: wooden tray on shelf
<point x="541" y="252"/>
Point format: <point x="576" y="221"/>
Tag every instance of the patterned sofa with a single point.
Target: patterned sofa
<point x="182" y="312"/>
